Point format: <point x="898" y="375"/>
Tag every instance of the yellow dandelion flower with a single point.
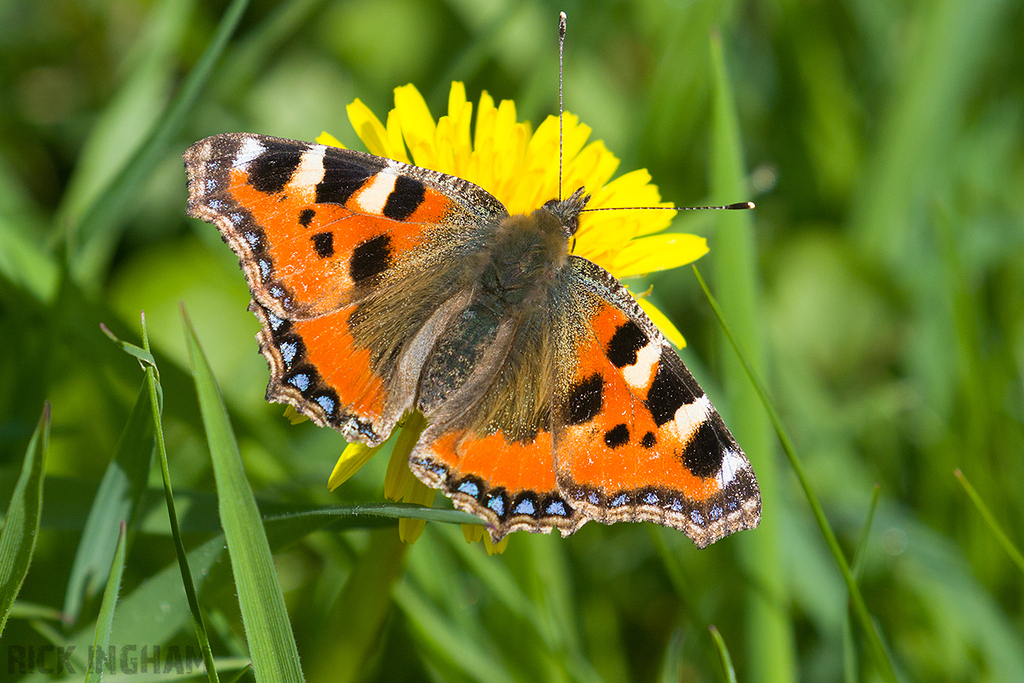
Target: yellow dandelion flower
<point x="519" y="167"/>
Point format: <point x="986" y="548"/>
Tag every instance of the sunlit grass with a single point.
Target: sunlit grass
<point x="875" y="289"/>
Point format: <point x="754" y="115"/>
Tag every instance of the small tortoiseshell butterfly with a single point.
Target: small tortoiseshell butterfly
<point x="382" y="288"/>
<point x="551" y="398"/>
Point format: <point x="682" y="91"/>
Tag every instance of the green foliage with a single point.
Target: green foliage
<point x="878" y="289"/>
<point x="21" y="520"/>
<point x="267" y="629"/>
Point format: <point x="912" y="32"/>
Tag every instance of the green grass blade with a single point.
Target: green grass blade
<point x="723" y="655"/>
<point x="248" y="59"/>
<point x="860" y="607"/>
<point x="144" y="81"/>
<point x="865" y="533"/>
<point x="447" y="642"/>
<point x="135" y="621"/>
<point x="105" y="621"/>
<point x="21" y="521"/>
<point x="25" y="264"/>
<point x="155" y="393"/>
<point x="362" y="609"/>
<point x="673" y="664"/>
<point x="990" y="520"/>
<point x="24" y="259"/>
<point x="245" y="670"/>
<point x="733" y="257"/>
<point x="388" y="510"/>
<point x="142" y="354"/>
<point x="268" y="630"/>
<point x="93" y="239"/>
<point x="849" y="647"/>
<point x="116" y="500"/>
<point x="29" y="610"/>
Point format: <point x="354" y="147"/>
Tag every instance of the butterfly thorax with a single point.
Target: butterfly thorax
<point x="527" y="252"/>
<point x="526" y="255"/>
<point x="513" y="281"/>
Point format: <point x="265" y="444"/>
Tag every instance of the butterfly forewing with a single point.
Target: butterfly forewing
<point x="347" y="255"/>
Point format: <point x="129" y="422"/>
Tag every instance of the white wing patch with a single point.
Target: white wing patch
<point x="638" y="375"/>
<point x="247" y="152"/>
<point x="372" y="198"/>
<point x="308" y="175"/>
<point x="689" y="417"/>
<point x="732" y="463"/>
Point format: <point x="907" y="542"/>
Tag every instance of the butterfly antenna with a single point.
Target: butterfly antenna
<point x="561" y="115"/>
<point x="727" y="207"/>
<point x="561" y="44"/>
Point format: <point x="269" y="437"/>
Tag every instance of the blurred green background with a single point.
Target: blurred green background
<point x="884" y="147"/>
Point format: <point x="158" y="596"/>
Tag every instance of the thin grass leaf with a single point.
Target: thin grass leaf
<point x="25" y="264"/>
<point x="733" y="256"/>
<point x="94" y="238"/>
<point x="673" y="662"/>
<point x="116" y="500"/>
<point x="145" y="78"/>
<point x="878" y="650"/>
<point x="283" y="524"/>
<point x="723" y="655"/>
<point x="247" y="61"/>
<point x="388" y="510"/>
<point x="142" y="354"/>
<point x="362" y="607"/>
<point x="34" y="611"/>
<point x="155" y="403"/>
<point x="24" y="258"/>
<point x="105" y="621"/>
<point x="495" y="575"/>
<point x="849" y="647"/>
<point x="990" y="520"/>
<point x="268" y="630"/>
<point x="865" y="534"/>
<point x="242" y="673"/>
<point x="445" y="641"/>
<point x="21" y="521"/>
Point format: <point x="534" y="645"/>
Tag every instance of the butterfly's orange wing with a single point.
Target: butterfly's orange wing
<point x="347" y="255"/>
<point x="635" y="436"/>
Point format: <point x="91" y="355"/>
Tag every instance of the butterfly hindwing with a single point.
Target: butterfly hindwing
<point x="636" y="438"/>
<point x="348" y="256"/>
<point x="489" y="444"/>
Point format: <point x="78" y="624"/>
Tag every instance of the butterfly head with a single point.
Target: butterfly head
<point x="568" y="210"/>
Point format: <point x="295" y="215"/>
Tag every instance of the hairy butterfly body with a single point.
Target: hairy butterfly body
<point x="551" y="398"/>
